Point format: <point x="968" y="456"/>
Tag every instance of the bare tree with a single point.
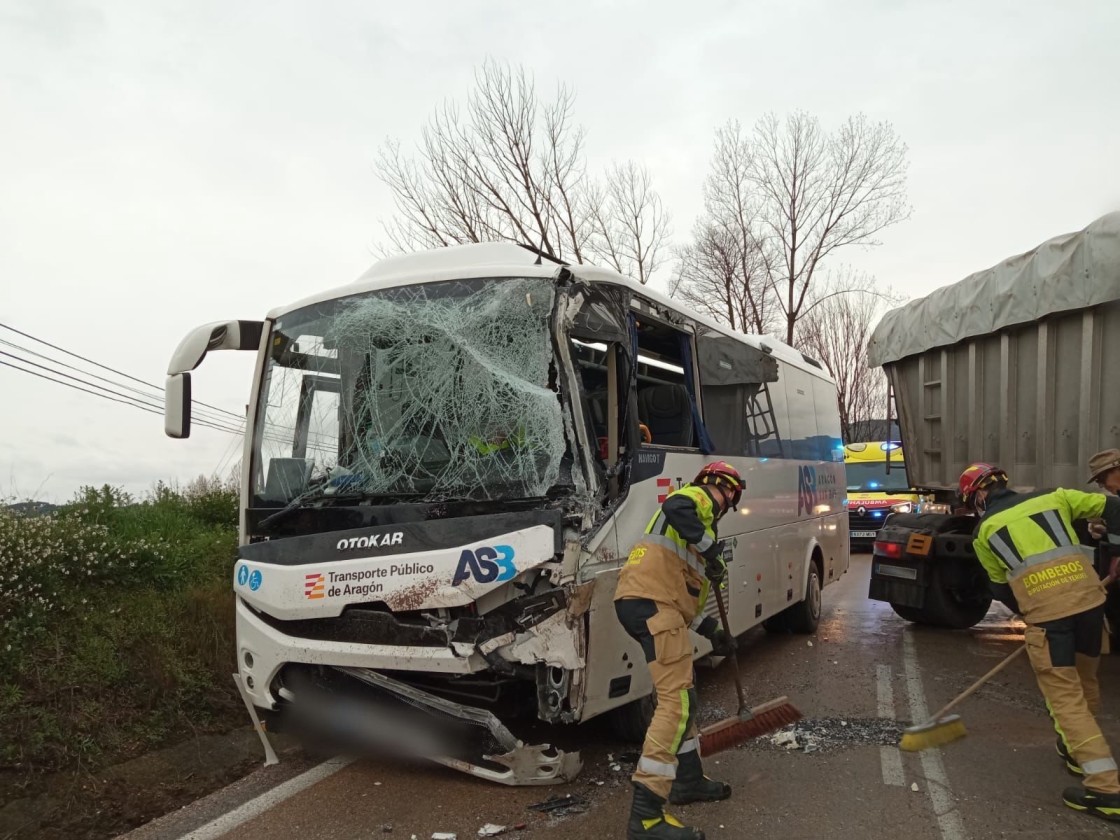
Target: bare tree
<point x="821" y="192"/>
<point x="835" y="329"/>
<point x="723" y="271"/>
<point x="722" y="276"/>
<point x="507" y="167"/>
<point x="630" y="226"/>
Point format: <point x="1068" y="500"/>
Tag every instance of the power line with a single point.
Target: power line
<point x="127" y="401"/>
<point x="110" y="369"/>
<point x="138" y="400"/>
<point x="204" y="415"/>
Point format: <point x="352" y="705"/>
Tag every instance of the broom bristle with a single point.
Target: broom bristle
<point x="730" y="732"/>
<point x="933" y="734"/>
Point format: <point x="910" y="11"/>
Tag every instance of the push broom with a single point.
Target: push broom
<point x="748" y="723"/>
<point x="940" y="729"/>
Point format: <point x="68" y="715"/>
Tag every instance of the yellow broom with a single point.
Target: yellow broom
<point x="940" y="729"/>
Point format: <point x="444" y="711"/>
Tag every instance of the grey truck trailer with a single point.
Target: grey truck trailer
<point x="1016" y="365"/>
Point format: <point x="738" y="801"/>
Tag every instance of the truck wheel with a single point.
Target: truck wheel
<point x="914" y="614"/>
<point x="954" y="609"/>
<point x="804" y="616"/>
<point x="630" y="721"/>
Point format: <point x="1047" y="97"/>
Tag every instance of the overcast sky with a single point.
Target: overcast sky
<point x="166" y="164"/>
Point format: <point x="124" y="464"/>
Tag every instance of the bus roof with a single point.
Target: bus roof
<point x="872" y="452"/>
<point x="506" y="259"/>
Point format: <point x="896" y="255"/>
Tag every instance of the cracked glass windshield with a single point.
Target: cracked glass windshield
<point x="425" y="392"/>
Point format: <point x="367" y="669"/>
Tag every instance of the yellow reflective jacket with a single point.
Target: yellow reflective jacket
<point x="1028" y="542"/>
<point x="665" y="565"/>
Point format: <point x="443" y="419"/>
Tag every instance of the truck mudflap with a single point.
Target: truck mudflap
<point x="524" y="764"/>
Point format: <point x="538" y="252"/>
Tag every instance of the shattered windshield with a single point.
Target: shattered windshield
<point x="426" y="392"/>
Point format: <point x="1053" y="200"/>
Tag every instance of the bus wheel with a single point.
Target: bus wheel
<point x="802" y="617"/>
<point x="631" y="720"/>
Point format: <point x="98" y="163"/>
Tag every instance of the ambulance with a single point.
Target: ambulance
<point x="873" y="491"/>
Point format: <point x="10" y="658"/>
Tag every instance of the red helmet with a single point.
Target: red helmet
<point x="977" y="477"/>
<point x="721" y="473"/>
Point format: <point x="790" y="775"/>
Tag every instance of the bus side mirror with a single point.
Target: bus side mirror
<point x="177" y="406"/>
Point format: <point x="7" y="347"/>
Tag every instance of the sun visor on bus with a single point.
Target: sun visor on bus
<point x="725" y="361"/>
<point x="603" y="316"/>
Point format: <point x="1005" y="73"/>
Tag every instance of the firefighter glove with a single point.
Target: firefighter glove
<point x="714" y="565"/>
<point x="722" y="643"/>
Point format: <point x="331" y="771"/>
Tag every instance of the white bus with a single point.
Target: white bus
<point x="449" y="459"/>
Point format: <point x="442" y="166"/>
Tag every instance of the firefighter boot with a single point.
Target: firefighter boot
<point x="1071" y="766"/>
<point x="1095" y="802"/>
<point x="648" y="820"/>
<point x="691" y="785"/>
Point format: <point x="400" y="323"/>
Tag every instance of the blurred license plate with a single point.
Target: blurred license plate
<point x="861" y="535"/>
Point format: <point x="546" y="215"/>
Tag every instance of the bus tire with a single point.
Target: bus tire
<point x="804" y="616"/>
<point x="631" y="720"/>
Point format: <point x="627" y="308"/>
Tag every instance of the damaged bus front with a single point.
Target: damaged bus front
<point x="413" y="500"/>
<point x="441" y="475"/>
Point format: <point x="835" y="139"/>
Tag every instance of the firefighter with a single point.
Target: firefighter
<point x="662" y="589"/>
<point x="1104" y="471"/>
<point x="1027" y="544"/>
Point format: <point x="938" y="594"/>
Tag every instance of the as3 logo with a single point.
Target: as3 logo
<point x="486" y="565"/>
<point x="806" y="490"/>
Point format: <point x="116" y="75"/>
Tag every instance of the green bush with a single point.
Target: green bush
<point x="116" y="617"/>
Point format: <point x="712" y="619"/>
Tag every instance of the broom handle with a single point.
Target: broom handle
<point x="968" y="692"/>
<point x="733" y="657"/>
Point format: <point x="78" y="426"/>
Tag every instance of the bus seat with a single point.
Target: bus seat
<point x="286" y="479"/>
<point x="665" y="410"/>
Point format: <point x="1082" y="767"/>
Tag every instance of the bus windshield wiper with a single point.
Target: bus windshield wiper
<point x="327" y="489"/>
<point x="345" y="487"/>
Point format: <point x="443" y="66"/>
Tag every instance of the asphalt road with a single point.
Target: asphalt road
<point x="865" y="673"/>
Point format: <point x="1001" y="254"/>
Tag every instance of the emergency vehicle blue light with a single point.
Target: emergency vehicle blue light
<point x="873" y="484"/>
<point x="878" y="514"/>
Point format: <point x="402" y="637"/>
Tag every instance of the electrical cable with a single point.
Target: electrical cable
<point x="106" y="367"/>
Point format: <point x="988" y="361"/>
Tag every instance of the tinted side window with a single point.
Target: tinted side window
<point x="802" y="414"/>
<point x="831" y="448"/>
<point x="770" y="419"/>
<point x="736" y="381"/>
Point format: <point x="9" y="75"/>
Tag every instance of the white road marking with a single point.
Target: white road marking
<point x="255" y="807"/>
<point x="937" y="783"/>
<point x="889" y="757"/>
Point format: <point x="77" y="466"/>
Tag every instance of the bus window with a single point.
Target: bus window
<point x="802" y="414"/>
<point x="738" y="410"/>
<point x="831" y="447"/>
<point x="664" y="405"/>
<point x="771" y="402"/>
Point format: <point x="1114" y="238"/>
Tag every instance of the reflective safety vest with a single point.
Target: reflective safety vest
<point x="663" y="567"/>
<point x="1028" y="542"/>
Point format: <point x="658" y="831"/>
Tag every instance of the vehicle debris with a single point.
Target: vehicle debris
<point x="561" y="806"/>
<point x="491" y="830"/>
<point x="445" y="835"/>
<point x="813" y="735"/>
<point x="914" y="787"/>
